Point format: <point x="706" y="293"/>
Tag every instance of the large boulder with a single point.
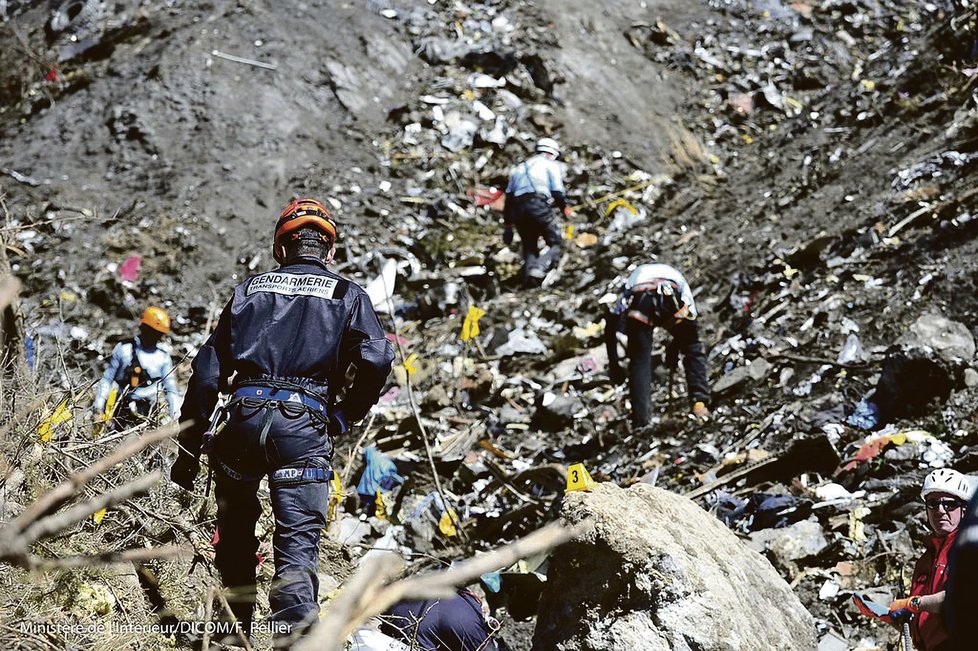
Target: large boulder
<point x="656" y="572"/>
<point x="950" y="339"/>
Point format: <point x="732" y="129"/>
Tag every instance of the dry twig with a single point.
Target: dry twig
<point x="366" y="596"/>
<point x="38" y="521"/>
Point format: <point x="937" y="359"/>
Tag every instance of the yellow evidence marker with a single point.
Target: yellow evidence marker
<point x="579" y="479"/>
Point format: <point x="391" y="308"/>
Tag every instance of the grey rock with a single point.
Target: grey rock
<point x="788" y="544"/>
<point x="654" y="573"/>
<point x="950" y="339"/>
<point x="970" y="377"/>
<point x="734" y="378"/>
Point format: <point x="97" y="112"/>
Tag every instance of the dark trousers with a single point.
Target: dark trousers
<point x="533" y="218"/>
<point x="129" y="413"/>
<point x="294" y="440"/>
<point x="686" y="337"/>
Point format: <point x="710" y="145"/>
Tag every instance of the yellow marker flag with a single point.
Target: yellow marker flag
<point x="579" y="479"/>
<point x="470" y="328"/>
<point x="410" y="362"/>
<point x="107" y="414"/>
<point x="569" y="232"/>
<point x="447" y="523"/>
<point x="61" y="415"/>
<point x="98" y="515"/>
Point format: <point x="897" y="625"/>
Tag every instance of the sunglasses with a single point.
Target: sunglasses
<point x="946" y="505"/>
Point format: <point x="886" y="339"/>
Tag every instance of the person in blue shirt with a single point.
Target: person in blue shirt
<point x="535" y="186"/>
<point x="143" y="369"/>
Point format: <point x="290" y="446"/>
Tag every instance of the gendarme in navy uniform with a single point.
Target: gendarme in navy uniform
<point x="281" y="351"/>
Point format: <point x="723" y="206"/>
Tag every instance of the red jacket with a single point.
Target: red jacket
<point x="930" y="577"/>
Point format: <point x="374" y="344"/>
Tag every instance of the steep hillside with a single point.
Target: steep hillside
<point x="805" y="164"/>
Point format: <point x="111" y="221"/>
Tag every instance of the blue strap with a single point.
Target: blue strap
<point x="235" y="475"/>
<point x="304" y="474"/>
<point x="280" y="395"/>
<point x="282" y="474"/>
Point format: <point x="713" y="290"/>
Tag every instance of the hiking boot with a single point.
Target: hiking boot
<point x="700" y="410"/>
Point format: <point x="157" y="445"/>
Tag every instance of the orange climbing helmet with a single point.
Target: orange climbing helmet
<point x="157" y="319"/>
<point x="298" y="214"/>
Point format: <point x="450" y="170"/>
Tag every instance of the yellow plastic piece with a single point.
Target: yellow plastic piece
<point x="336" y="495"/>
<point x="579" y="479"/>
<point x="98" y="515"/>
<point x="447" y="523"/>
<point x="620" y="203"/>
<point x="380" y="509"/>
<point x="410" y="364"/>
<point x="47" y="427"/>
<point x="569" y="232"/>
<point x="470" y="327"/>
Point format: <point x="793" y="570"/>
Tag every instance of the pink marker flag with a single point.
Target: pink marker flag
<point x="129" y="269"/>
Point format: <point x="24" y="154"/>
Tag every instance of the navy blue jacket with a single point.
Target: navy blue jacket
<point x="454" y="624"/>
<point x="302" y="324"/>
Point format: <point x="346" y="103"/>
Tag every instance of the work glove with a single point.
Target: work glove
<point x="700" y="410"/>
<point x="617" y="374"/>
<point x="508" y="235"/>
<point x="902" y="610"/>
<point x="185" y="470"/>
<point x="337" y="423"/>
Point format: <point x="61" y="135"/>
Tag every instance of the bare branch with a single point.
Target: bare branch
<point x="364" y="597"/>
<point x="68" y="488"/>
<point x="243" y="636"/>
<point x="55" y="523"/>
<point x="362" y="589"/>
<point x="108" y="558"/>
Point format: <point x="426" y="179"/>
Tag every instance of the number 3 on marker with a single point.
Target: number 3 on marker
<point x="576" y="476"/>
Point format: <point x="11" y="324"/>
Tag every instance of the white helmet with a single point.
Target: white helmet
<point x="548" y="146"/>
<point x="948" y="481"/>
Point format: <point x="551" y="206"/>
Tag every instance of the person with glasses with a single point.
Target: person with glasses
<point x="945" y="493"/>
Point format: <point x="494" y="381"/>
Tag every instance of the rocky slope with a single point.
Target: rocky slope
<point x="804" y="164"/>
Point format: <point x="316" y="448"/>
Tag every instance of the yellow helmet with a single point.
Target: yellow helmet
<point x="157" y="319"/>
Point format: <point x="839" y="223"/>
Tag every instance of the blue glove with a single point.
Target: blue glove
<point x="337" y="423"/>
<point x="508" y="235"/>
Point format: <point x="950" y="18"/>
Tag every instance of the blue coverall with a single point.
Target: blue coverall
<point x="455" y="624"/>
<point x="288" y="336"/>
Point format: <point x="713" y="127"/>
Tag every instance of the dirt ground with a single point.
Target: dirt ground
<point x="129" y="132"/>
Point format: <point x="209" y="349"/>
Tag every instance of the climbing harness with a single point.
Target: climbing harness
<point x="655" y="302"/>
<point x="266" y="396"/>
